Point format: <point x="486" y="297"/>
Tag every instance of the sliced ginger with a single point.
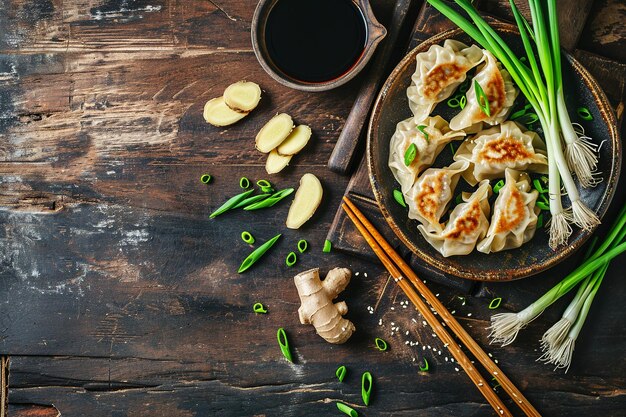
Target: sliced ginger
<point x="276" y="162"/>
<point x="242" y="96"/>
<point x="218" y="113"/>
<point x="307" y="199"/>
<point x="317" y="307"/>
<point x="274" y="132"/>
<point x="296" y="141"/>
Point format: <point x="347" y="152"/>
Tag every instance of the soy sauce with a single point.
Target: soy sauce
<point x="315" y="40"/>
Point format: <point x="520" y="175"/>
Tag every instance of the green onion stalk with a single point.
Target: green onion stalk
<point x="558" y="342"/>
<point x="541" y="84"/>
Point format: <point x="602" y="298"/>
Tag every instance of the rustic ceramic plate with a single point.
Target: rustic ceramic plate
<point x="533" y="257"/>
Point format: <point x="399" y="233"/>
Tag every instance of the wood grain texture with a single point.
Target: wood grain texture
<point x="119" y="297"/>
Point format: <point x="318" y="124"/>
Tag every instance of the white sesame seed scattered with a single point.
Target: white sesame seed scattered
<point x="393" y="324"/>
<point x="365" y="274"/>
<point x="480" y="384"/>
<point x="446" y="344"/>
<point x="495" y="373"/>
<point x="423" y="347"/>
<point x="403" y="306"/>
<point x="380" y="322"/>
<point x="356" y="274"/>
<point x="392" y="333"/>
<point x="453" y="311"/>
<point x="501" y="411"/>
<point x="439" y="352"/>
<point x="413" y="359"/>
<point x="490" y="355"/>
<point x="496" y="361"/>
<point x="456" y="369"/>
<point x="424" y="323"/>
<point x="469" y="314"/>
<point x="451" y="359"/>
<point x="437" y="295"/>
<point x="424" y="281"/>
<point x="429" y="347"/>
<point x="434" y="335"/>
<point x="371" y="311"/>
<point x="392" y="308"/>
<point x="406" y="343"/>
<point x="407" y="333"/>
<point x="446" y="358"/>
<point x="414" y="321"/>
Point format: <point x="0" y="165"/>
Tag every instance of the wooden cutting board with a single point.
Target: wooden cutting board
<point x="430" y="22"/>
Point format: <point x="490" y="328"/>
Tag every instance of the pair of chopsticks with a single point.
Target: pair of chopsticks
<point x="400" y="270"/>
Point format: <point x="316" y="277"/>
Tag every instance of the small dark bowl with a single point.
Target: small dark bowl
<point x="535" y="256"/>
<point x="375" y="33"/>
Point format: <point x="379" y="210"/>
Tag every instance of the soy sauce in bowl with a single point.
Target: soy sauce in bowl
<point x="315" y="41"/>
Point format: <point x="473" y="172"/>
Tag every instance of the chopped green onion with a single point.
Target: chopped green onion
<point x="259" y="308"/>
<point x="244" y="182"/>
<point x="347" y="410"/>
<point x="498" y="186"/>
<point x="540" y="221"/>
<point x="267" y="189"/>
<point x="539" y="187"/>
<point x="366" y="387"/>
<point x="283" y="342"/>
<point x="247" y="237"/>
<point x="291" y="259"/>
<point x="270" y="201"/>
<point x="251" y="200"/>
<point x="328" y="245"/>
<point x="230" y="203"/>
<point x="263" y="183"/>
<point x="543" y="206"/>
<point x="381" y="344"/>
<point x="397" y="195"/>
<point x="495" y="303"/>
<point x="303" y="245"/>
<point x="205" y="178"/>
<point x="424" y="368"/>
<point x="495" y="384"/>
<point x="453" y="103"/>
<point x="257" y="254"/>
<point x="584" y="113"/>
<point x="422" y="128"/>
<point x="340" y="373"/>
<point x="410" y="154"/>
<point x="481" y="97"/>
<point x="462" y="102"/>
<point x="452" y="148"/>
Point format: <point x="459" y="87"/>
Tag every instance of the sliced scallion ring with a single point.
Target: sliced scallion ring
<point x="410" y="154"/>
<point x="328" y="245"/>
<point x="425" y="367"/>
<point x="366" y="387"/>
<point x="303" y="245"/>
<point x="347" y="410"/>
<point x="584" y="113"/>
<point x="244" y="182"/>
<point x="247" y="237"/>
<point x="462" y="102"/>
<point x="263" y="183"/>
<point x="259" y="308"/>
<point x="291" y="259"/>
<point x="495" y="303"/>
<point x="340" y="373"/>
<point x="453" y="102"/>
<point x="381" y="344"/>
<point x="283" y="342"/>
<point x="422" y="128"/>
<point x="397" y="195"/>
<point x="498" y="186"/>
<point x="482" y="99"/>
<point x="205" y="178"/>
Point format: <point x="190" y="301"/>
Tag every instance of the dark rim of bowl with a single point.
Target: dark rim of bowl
<point x="504" y="274"/>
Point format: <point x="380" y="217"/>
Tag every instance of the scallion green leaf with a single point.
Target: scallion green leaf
<point x="283" y="342"/>
<point x="257" y="254"/>
<point x="481" y="97"/>
<point x="422" y="128"/>
<point x="410" y="154"/>
<point x="230" y="203"/>
<point x="397" y="195"/>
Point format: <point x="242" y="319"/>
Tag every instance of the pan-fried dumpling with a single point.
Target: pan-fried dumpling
<point x="514" y="219"/>
<point x="429" y="137"/>
<point x="430" y="195"/>
<point x="467" y="225"/>
<point x="498" y="86"/>
<point x="492" y="151"/>
<point x="438" y="72"/>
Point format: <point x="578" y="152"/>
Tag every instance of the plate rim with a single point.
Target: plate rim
<point x="520" y="272"/>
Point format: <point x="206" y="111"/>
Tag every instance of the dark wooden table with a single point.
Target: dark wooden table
<point x="119" y="297"/>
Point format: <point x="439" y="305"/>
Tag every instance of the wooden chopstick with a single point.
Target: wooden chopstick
<point x="384" y="251"/>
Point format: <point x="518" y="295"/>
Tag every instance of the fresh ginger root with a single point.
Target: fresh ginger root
<point x="317" y="307"/>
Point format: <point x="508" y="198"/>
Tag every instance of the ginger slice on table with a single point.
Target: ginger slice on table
<point x="242" y="96"/>
<point x="307" y="199"/>
<point x="276" y="162"/>
<point x="296" y="141"/>
<point x="219" y="114"/>
<point x="274" y="132"/>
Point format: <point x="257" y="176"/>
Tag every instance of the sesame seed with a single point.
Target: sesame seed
<point x="392" y="308"/>
<point x="469" y="314"/>
<point x="365" y="274"/>
<point x="356" y="274"/>
<point x="406" y="343"/>
<point x="456" y="369"/>
<point x="490" y="355"/>
<point x="407" y="333"/>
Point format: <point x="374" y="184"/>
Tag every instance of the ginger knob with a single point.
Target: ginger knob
<point x="317" y="307"/>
